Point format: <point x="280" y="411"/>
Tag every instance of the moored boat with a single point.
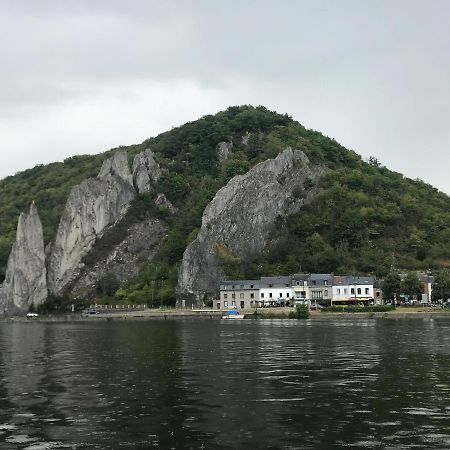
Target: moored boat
<point x="233" y="314"/>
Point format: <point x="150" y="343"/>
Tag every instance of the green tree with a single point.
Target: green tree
<point x="411" y="285"/>
<point x="441" y="285"/>
<point x="108" y="284"/>
<point x="300" y="312"/>
<point x="392" y="286"/>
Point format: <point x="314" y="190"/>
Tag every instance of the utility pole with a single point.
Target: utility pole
<point x="153" y="291"/>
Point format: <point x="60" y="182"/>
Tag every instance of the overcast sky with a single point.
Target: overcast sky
<point x="83" y="76"/>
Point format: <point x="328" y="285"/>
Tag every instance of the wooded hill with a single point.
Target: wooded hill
<point x="365" y="218"/>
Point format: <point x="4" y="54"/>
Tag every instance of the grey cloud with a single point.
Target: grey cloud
<point x="374" y="75"/>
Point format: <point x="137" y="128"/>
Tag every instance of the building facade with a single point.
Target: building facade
<point x="352" y="290"/>
<point x="312" y="288"/>
<point x="240" y="294"/>
<point x="316" y="288"/>
<point x="275" y="291"/>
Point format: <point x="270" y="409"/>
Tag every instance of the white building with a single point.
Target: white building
<point x="275" y="291"/>
<point x="352" y="290"/>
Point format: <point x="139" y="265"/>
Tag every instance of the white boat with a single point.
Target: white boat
<point x="233" y="314"/>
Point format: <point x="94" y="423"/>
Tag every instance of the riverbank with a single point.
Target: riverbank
<point x="260" y="313"/>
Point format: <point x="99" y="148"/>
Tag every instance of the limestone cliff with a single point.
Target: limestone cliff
<point x="224" y="150"/>
<point x="25" y="283"/>
<point x="241" y="216"/>
<point x="92" y="206"/>
<point x="125" y="260"/>
<point x="145" y="171"/>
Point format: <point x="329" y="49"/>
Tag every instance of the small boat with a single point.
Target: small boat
<point x="233" y="314"/>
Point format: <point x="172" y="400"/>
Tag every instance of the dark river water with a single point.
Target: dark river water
<point x="210" y="384"/>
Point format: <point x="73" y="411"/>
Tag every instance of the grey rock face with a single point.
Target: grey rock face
<point x="117" y="165"/>
<point x="224" y="150"/>
<point x="125" y="260"/>
<point x="25" y="283"/>
<point x="145" y="171"/>
<point x="161" y="200"/>
<point x="241" y="216"/>
<point x="92" y="206"/>
<point x="245" y="138"/>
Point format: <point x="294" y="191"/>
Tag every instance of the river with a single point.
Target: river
<point x="211" y="384"/>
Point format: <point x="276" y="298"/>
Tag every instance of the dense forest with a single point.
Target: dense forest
<point x="365" y="219"/>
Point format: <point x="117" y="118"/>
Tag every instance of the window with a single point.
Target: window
<point x="252" y="295"/>
<point x="270" y="295"/>
<point x="316" y="294"/>
<point x="298" y="283"/>
<point x="233" y="295"/>
<point x="225" y="295"/>
<point x="345" y="291"/>
<point x="270" y="285"/>
<point x="233" y="303"/>
<point x="262" y="294"/>
<point x="241" y="295"/>
<point x="367" y="291"/>
<point x="325" y="282"/>
<point x="338" y="291"/>
<point x="287" y="284"/>
<point x="359" y="291"/>
<point x="352" y="291"/>
<point x="232" y="286"/>
<point x="225" y="304"/>
<point x="325" y="292"/>
<point x="314" y="282"/>
<point x="242" y="286"/>
<point x="251" y="286"/>
<point x="218" y="305"/>
<point x="287" y="295"/>
<point x="378" y="293"/>
<point x="281" y="295"/>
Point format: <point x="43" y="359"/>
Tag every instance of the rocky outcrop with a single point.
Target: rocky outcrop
<point x="92" y="206"/>
<point x="145" y="171"/>
<point x="162" y="200"/>
<point x="125" y="260"/>
<point x="25" y="283"/>
<point x="116" y="165"/>
<point x="224" y="150"/>
<point x="240" y="218"/>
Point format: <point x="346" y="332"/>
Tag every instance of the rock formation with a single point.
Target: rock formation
<point x="145" y="171"/>
<point x="125" y="260"/>
<point x="25" y="283"/>
<point x="241" y="216"/>
<point x="92" y="206"/>
<point x="116" y="165"/>
<point x="224" y="150"/>
<point x="162" y="200"/>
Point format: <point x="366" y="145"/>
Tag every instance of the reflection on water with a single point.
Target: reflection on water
<point x="225" y="385"/>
